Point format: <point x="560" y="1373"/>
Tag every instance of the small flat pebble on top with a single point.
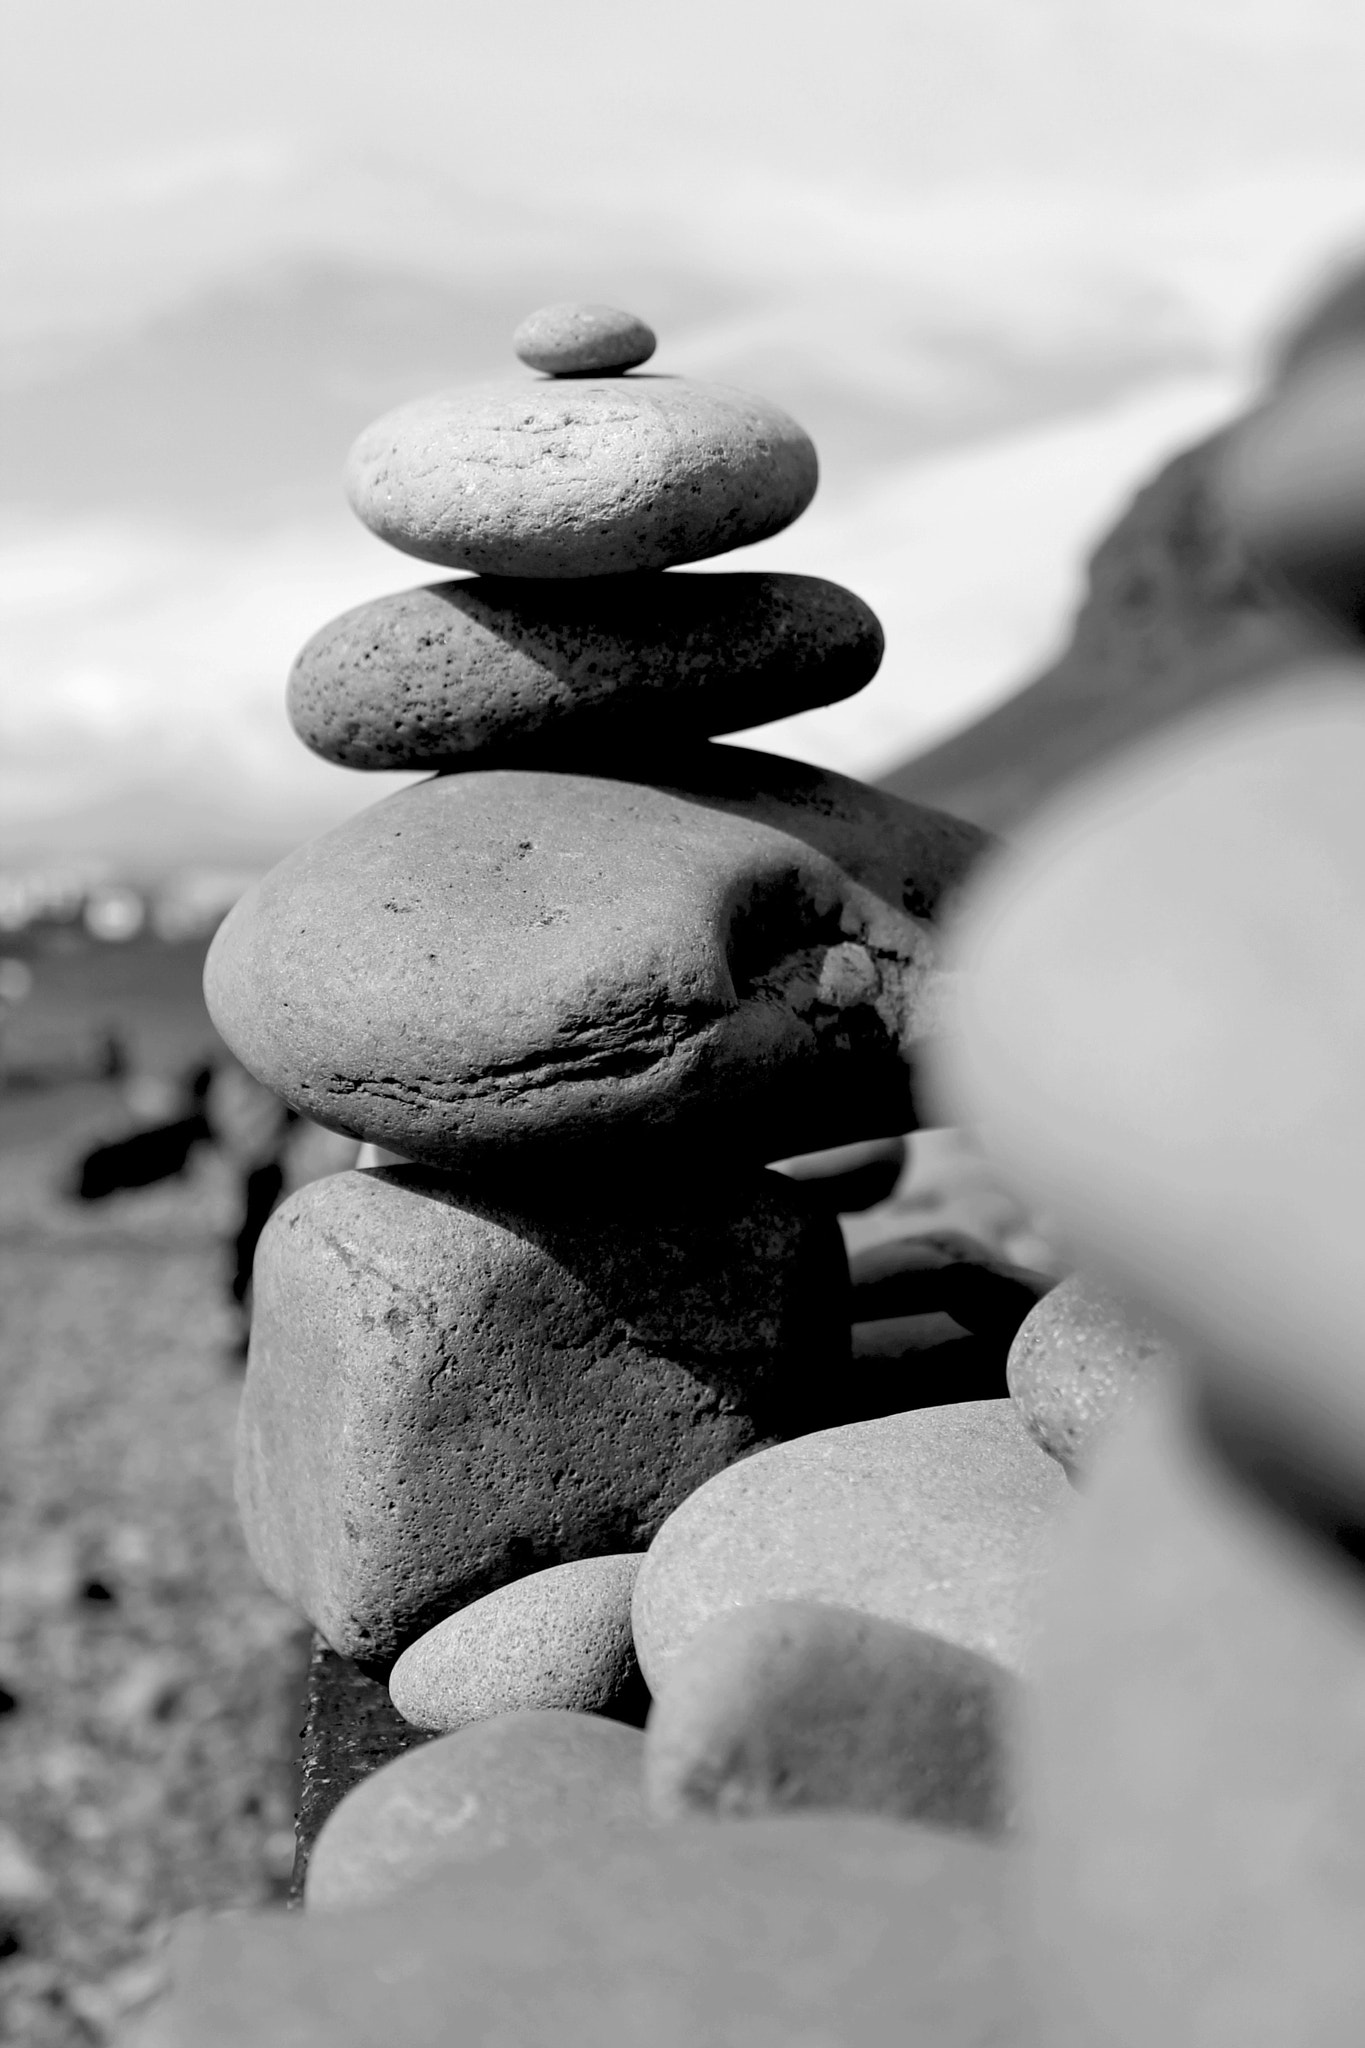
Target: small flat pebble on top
<point x="557" y="1638"/>
<point x="572" y="340"/>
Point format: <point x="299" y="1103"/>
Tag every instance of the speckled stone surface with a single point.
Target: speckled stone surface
<point x="557" y="1638"/>
<point x="524" y="1777"/>
<point x="837" y="1930"/>
<point x="492" y="670"/>
<point x="576" y="339"/>
<point x="589" y="477"/>
<point x="1078" y="1364"/>
<point x="441" y="1397"/>
<point x="791" y="1703"/>
<point x="744" y="958"/>
<point x="940" y="1519"/>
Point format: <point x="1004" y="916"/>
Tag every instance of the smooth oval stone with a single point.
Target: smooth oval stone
<point x="527" y="1777"/>
<point x="509" y="959"/>
<point x="792" y="1703"/>
<point x="442" y="1394"/>
<point x="1195" y="1791"/>
<point x="589" y="478"/>
<point x="572" y="340"/>
<point x="1078" y="1364"/>
<point x="1160" y="1039"/>
<point x="485" y="671"/>
<point x="836" y="1932"/>
<point x="557" y="1638"/>
<point x="938" y="1519"/>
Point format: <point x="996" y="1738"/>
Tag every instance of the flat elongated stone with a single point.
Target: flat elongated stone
<point x="512" y="958"/>
<point x="844" y="1931"/>
<point x="441" y="1397"/>
<point x="1079" y="1362"/>
<point x="583" y="478"/>
<point x="791" y="1703"/>
<point x="490" y="671"/>
<point x="557" y="1638"/>
<point x="525" y="1777"/>
<point x="938" y="1519"/>
<point x="573" y="339"/>
<point x="1160" y="1037"/>
<point x="1196" y="1796"/>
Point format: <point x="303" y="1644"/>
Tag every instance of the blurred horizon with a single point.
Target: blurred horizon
<point x="1001" y="263"/>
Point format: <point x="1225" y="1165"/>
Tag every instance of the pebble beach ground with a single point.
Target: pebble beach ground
<point x="152" y="1685"/>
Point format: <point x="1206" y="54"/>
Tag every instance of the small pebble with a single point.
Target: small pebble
<point x="557" y="1638"/>
<point x="572" y="340"/>
<point x="1079" y="1362"/>
<point x="528" y="1777"/>
<point x="792" y="1703"/>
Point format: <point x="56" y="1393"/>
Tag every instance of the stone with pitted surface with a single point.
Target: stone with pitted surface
<point x="494" y="670"/>
<point x="743" y="956"/>
<point x="589" y="477"/>
<point x="574" y="339"/>
<point x="1079" y="1362"/>
<point x="442" y="1396"/>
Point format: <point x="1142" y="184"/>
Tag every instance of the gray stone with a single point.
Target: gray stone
<point x="742" y="959"/>
<point x="490" y="671"/>
<point x="1177" y="613"/>
<point x="1195" y="1789"/>
<point x="938" y="1519"/>
<point x="589" y="478"/>
<point x="442" y="1396"/>
<point x="557" y="1638"/>
<point x="1078" y="1364"/>
<point x="528" y="1777"/>
<point x="791" y="1703"/>
<point x="836" y="1932"/>
<point x="572" y="340"/>
<point x="1160" y="1038"/>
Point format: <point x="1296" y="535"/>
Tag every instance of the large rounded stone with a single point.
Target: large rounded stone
<point x="511" y="959"/>
<point x="526" y="1777"/>
<point x="577" y="339"/>
<point x="442" y="1396"/>
<point x="790" y="1703"/>
<point x="1160" y="1037"/>
<point x="939" y="1518"/>
<point x="582" y="478"/>
<point x="1195" y="1785"/>
<point x="836" y="1932"/>
<point x="489" y="670"/>
<point x="557" y="1638"/>
<point x="1079" y="1363"/>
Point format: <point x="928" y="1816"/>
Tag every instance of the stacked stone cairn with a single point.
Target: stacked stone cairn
<point x="555" y="1420"/>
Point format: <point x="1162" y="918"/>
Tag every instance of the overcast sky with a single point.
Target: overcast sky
<point x="999" y="255"/>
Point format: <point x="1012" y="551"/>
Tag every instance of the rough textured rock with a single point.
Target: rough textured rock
<point x="1078" y="1364"/>
<point x="529" y="1777"/>
<point x="938" y="1519"/>
<point x="569" y="339"/>
<point x="1197" y="1798"/>
<point x="743" y="958"/>
<point x="442" y="1397"/>
<point x="587" y="478"/>
<point x="791" y="1703"/>
<point x="492" y="671"/>
<point x="843" y="1930"/>
<point x="557" y="1638"/>
<point x="1160" y="1039"/>
<point x="1175" y="614"/>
